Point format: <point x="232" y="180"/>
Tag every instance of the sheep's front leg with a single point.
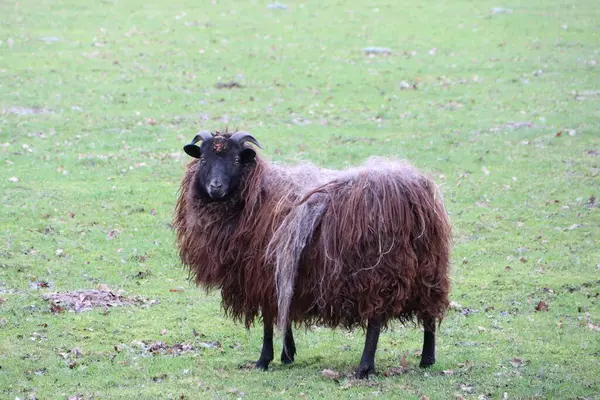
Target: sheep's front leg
<point x="266" y="355"/>
<point x="428" y="353"/>
<point x="289" y="347"/>
<point x="367" y="361"/>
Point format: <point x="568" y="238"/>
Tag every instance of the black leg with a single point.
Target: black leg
<point x="367" y="361"/>
<point x="266" y="355"/>
<point x="289" y="347"/>
<point x="428" y="353"/>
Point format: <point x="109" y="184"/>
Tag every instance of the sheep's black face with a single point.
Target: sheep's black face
<point x="220" y="167"/>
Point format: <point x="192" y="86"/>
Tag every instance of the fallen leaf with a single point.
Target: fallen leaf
<point x="210" y="345"/>
<point x="39" y="285"/>
<point x="103" y="287"/>
<point x="455" y="306"/>
<point x="466" y="387"/>
<point x="403" y="362"/>
<point x="517" y="362"/>
<point x="448" y="372"/>
<point x="159" y="378"/>
<point x="589" y="324"/>
<point x="327" y="373"/>
<point x="541" y="306"/>
<point x="228" y="85"/>
<point x="112" y="234"/>
<point x="177" y="290"/>
<point x="13" y="179"/>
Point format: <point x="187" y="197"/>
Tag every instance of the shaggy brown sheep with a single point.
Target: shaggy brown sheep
<point x="304" y="245"/>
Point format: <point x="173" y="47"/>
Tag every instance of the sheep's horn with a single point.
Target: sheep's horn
<point x="202" y="135"/>
<point x="242" y="137"/>
<point x="191" y="149"/>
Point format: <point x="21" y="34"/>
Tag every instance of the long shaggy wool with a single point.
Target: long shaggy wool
<point x="309" y="245"/>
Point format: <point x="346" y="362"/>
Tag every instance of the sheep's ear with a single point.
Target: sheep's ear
<point x="247" y="155"/>
<point x="192" y="150"/>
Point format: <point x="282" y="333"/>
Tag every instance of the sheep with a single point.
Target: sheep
<point x="304" y="245"/>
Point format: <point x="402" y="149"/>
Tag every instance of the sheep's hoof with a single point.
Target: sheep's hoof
<point x="263" y="364"/>
<point x="364" y="371"/>
<point x="287" y="359"/>
<point x="427" y="362"/>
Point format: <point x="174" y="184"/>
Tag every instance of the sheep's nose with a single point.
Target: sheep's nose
<point x="215" y="185"/>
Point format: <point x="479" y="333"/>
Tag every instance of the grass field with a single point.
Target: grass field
<point x="498" y="101"/>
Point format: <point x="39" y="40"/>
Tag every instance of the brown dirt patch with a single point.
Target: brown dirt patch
<point x="87" y="299"/>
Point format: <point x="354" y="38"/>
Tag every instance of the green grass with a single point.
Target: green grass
<point x="123" y="84"/>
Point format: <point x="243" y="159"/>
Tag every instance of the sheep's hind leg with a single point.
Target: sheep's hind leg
<point x="266" y="355"/>
<point x="367" y="361"/>
<point x="289" y="347"/>
<point x="428" y="353"/>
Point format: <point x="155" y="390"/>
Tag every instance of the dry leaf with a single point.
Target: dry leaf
<point x="403" y="362"/>
<point x="589" y="324"/>
<point x="455" y="306"/>
<point x="103" y="287"/>
<point x="327" y="373"/>
<point x="466" y="387"/>
<point x="541" y="306"/>
<point x="517" y="362"/>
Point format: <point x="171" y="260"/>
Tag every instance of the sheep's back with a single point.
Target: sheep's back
<point x="381" y="248"/>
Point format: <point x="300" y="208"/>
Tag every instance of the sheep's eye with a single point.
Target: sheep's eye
<point x="236" y="160"/>
<point x="203" y="160"/>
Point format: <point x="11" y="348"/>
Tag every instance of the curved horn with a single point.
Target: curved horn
<point x="202" y="135"/>
<point x="242" y="137"/>
<point x="191" y="149"/>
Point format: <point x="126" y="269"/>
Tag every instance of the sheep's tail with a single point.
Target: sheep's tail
<point x="286" y="246"/>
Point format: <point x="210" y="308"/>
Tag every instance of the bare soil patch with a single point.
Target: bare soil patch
<point x="87" y="299"/>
